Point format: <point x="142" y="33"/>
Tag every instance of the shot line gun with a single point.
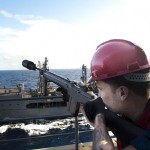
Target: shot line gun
<point x="125" y="130"/>
<point x="77" y="95"/>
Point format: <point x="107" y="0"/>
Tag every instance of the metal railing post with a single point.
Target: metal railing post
<point x="76" y="133"/>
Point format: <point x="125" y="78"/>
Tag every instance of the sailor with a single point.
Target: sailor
<point x="122" y="74"/>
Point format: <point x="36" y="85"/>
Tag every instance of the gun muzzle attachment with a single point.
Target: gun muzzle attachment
<point x="29" y="65"/>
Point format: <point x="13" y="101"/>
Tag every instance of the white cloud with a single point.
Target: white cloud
<point x="71" y="45"/>
<point x="6" y="14"/>
<point x="64" y="45"/>
<point x="24" y="19"/>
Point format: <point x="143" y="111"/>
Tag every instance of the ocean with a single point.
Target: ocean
<point x="39" y="133"/>
<point x="30" y="78"/>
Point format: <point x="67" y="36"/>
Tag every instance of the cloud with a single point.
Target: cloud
<point x="24" y="19"/>
<point x="67" y="45"/>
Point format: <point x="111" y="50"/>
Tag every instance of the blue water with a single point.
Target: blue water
<point x="39" y="127"/>
<point x="30" y="78"/>
<point x="13" y="78"/>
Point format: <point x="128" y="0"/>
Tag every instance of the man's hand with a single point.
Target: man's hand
<point x="66" y="96"/>
<point x="84" y="88"/>
<point x="101" y="138"/>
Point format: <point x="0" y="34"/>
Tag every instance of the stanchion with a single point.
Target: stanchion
<point x="76" y="133"/>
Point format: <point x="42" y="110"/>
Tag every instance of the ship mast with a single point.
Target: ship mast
<point x="45" y="68"/>
<point x="84" y="74"/>
<point x="42" y="83"/>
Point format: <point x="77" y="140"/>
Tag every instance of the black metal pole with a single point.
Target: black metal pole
<point x="76" y="133"/>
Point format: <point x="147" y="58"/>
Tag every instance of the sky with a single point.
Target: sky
<point x="67" y="32"/>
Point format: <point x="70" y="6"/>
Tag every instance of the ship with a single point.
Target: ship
<point x="46" y="102"/>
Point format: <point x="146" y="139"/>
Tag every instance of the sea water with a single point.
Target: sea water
<point x="39" y="133"/>
<point x="30" y="78"/>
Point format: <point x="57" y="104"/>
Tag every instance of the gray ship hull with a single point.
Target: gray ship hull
<point x="31" y="108"/>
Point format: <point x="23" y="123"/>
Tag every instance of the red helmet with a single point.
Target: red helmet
<point x="117" y="57"/>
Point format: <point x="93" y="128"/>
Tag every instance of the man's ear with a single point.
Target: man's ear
<point x="123" y="92"/>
